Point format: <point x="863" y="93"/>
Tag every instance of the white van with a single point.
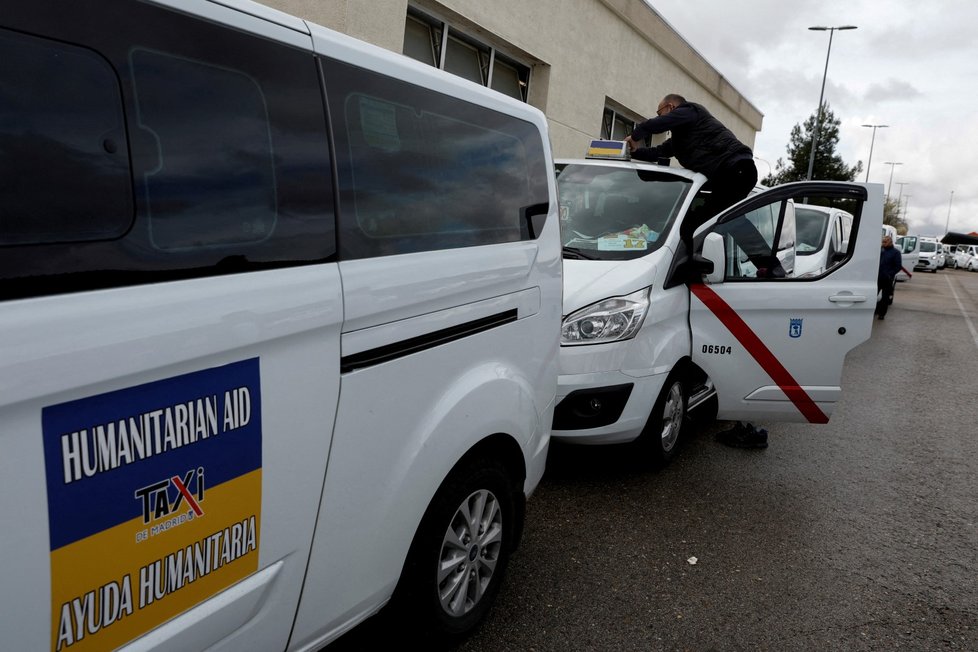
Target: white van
<point x="652" y="330"/>
<point x="266" y="360"/>
<point x="823" y="238"/>
<point x="966" y="257"/>
<point x="931" y="255"/>
<point x="909" y="248"/>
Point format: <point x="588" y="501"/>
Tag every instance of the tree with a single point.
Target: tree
<point x="828" y="164"/>
<point x="893" y="216"/>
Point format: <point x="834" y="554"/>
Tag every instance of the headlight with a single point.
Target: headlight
<point x="611" y="320"/>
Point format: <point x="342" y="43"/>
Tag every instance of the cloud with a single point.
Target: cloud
<point x="892" y="90"/>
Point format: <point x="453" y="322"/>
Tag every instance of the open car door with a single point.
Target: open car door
<point x="774" y="344"/>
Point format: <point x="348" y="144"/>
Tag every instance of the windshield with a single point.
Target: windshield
<point x="929" y="247"/>
<point x="613" y="213"/>
<point x="811" y="228"/>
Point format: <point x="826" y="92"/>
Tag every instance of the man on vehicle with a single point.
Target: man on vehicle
<point x="891" y="262"/>
<point x="702" y="144"/>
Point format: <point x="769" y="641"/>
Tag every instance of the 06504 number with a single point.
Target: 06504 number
<point x="717" y="349"/>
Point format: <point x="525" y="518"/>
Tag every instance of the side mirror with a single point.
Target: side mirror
<point x="713" y="253"/>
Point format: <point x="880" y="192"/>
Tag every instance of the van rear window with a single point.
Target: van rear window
<point x="64" y="158"/>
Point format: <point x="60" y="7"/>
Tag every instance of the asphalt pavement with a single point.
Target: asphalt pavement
<point x="861" y="534"/>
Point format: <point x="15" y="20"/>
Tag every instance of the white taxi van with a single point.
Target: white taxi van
<point x="657" y="324"/>
<point x="909" y="248"/>
<point x="823" y="238"/>
<point x="279" y="319"/>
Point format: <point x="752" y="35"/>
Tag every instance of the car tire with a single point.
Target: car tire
<point x="662" y="436"/>
<point x="460" y="553"/>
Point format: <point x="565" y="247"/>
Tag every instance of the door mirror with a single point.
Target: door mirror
<point x="713" y="253"/>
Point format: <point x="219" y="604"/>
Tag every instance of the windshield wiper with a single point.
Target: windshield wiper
<point x="574" y="252"/>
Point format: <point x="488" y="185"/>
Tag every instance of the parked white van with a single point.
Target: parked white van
<point x="823" y="238"/>
<point x="931" y="255"/>
<point x="909" y="247"/>
<point x="966" y="257"/>
<point x="652" y="330"/>
<point x="267" y="361"/>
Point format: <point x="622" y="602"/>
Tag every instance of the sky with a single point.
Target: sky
<point x="911" y="65"/>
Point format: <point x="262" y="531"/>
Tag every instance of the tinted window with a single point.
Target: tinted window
<point x="228" y="166"/>
<point x="811" y="225"/>
<point x="615" y="213"/>
<point x="420" y="170"/>
<point x="215" y="182"/>
<point x="64" y="165"/>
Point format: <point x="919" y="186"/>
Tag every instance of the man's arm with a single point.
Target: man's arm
<point x="653" y="154"/>
<point x="678" y="117"/>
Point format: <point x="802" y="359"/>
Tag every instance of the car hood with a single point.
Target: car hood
<point x="590" y="281"/>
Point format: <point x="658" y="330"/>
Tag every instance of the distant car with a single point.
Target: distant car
<point x="822" y="238"/>
<point x="931" y="255"/>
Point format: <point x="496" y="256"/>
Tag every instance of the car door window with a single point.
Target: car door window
<point x="762" y="241"/>
<point x="749" y="243"/>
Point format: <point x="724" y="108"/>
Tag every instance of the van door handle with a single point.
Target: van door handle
<point x="847" y="298"/>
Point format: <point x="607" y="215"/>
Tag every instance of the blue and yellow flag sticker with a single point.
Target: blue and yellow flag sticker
<point x="613" y="149"/>
<point x="154" y="501"/>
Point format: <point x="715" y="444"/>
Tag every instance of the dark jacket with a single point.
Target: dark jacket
<point x="890" y="262"/>
<point x="698" y="140"/>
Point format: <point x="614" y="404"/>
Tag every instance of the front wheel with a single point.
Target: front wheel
<point x="661" y="436"/>
<point x="460" y="552"/>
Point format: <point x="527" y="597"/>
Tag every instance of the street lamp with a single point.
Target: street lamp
<point x="892" y="165"/>
<point x="948" y="223"/>
<point x="900" y="196"/>
<point x="869" y="161"/>
<point x="818" y="115"/>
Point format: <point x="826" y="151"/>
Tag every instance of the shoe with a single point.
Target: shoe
<point x="882" y="317"/>
<point x="744" y="436"/>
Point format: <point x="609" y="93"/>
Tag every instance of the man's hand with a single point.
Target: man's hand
<point x="632" y="145"/>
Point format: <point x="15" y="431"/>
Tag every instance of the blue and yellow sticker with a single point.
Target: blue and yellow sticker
<point x="611" y="149"/>
<point x="154" y="501"/>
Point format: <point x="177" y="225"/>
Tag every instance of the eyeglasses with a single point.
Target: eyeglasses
<point x="662" y="108"/>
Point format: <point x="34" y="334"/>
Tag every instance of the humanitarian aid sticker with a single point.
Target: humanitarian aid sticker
<point x="154" y="501"/>
<point x="621" y="243"/>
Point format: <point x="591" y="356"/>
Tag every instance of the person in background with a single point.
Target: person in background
<point x="891" y="262"/>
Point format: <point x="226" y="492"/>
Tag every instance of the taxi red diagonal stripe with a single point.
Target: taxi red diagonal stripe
<point x="753" y="345"/>
<point x="186" y="494"/>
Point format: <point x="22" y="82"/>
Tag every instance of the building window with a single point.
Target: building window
<point x="615" y="124"/>
<point x="436" y="43"/>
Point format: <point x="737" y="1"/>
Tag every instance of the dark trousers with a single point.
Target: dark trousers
<point x="884" y="286"/>
<point x="728" y="185"/>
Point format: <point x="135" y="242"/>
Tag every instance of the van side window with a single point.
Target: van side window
<point x="175" y="148"/>
<point x="213" y="182"/>
<point x="422" y="171"/>
<point x="64" y="156"/>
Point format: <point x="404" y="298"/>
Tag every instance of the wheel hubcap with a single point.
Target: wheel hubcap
<point x="469" y="553"/>
<point x="672" y="416"/>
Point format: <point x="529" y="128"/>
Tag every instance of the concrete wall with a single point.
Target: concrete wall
<point x="582" y="52"/>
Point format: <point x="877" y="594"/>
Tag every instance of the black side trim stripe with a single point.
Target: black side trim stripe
<point x="427" y="341"/>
